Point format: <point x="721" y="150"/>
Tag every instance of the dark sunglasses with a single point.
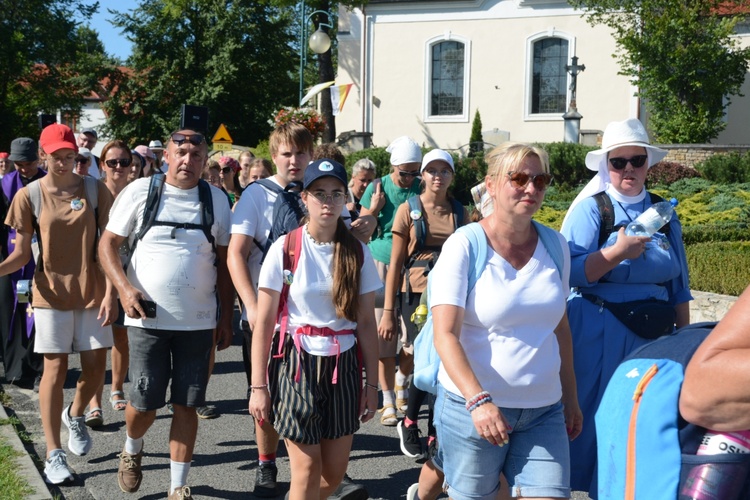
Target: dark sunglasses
<point x="620" y="163"/>
<point x="406" y="173"/>
<point x="520" y="180"/>
<point x="194" y="139"/>
<point x="226" y="170"/>
<point x="123" y="162"/>
<point x="82" y="160"/>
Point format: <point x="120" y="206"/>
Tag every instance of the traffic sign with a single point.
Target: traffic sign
<point x="222" y="136"/>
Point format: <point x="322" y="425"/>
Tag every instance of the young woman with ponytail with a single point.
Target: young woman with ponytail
<point x="312" y="388"/>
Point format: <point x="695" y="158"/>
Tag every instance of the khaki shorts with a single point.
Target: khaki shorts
<point x="65" y="332"/>
<point x="387" y="349"/>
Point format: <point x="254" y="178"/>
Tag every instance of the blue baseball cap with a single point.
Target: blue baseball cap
<point x="324" y="167"/>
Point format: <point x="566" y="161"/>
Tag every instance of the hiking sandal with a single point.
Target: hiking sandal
<point x="388" y="417"/>
<point x="118" y="404"/>
<point x="94" y="418"/>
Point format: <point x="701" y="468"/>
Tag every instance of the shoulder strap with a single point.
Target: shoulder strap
<point x="458" y="213"/>
<point x="91" y="192"/>
<point x="35" y="197"/>
<point x="552" y="243"/>
<point x="415" y="205"/>
<point x="207" y="210"/>
<point x="606" y="216"/>
<point x="292" y="251"/>
<point x="478" y="251"/>
<point x="270" y="185"/>
<point x="155" y="187"/>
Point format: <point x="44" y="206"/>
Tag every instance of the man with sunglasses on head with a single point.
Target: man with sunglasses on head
<point x="87" y="139"/>
<point x="608" y="279"/>
<point x="169" y="297"/>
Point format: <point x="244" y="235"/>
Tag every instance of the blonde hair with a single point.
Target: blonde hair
<point x="509" y="155"/>
<point x="292" y="134"/>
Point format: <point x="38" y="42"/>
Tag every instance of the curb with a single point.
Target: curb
<point x="26" y="467"/>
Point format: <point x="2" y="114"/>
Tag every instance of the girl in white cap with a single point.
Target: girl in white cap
<point x="381" y="199"/>
<point x="633" y="268"/>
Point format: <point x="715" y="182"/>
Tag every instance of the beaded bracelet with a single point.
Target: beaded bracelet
<point x="252" y="387"/>
<point x="487" y="399"/>
<point x="476" y="398"/>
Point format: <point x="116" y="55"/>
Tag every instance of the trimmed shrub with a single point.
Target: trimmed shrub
<point x="667" y="172"/>
<point x="379" y="156"/>
<point x="567" y="163"/>
<point x="726" y="168"/>
<point x="719" y="267"/>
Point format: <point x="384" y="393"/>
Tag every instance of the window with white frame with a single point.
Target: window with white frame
<point x="549" y="78"/>
<point x="447" y="78"/>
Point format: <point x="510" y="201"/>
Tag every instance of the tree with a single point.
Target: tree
<point x="231" y="56"/>
<point x="683" y="58"/>
<point x="476" y="141"/>
<point x="48" y="62"/>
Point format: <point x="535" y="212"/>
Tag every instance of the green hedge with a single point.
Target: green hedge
<point x="726" y="168"/>
<point x="719" y="267"/>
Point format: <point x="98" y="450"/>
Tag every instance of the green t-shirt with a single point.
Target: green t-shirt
<point x="382" y="240"/>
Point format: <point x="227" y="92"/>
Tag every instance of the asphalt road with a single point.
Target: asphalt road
<point x="225" y="456"/>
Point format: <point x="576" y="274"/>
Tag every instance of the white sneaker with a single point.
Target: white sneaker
<point x="56" y="469"/>
<point x="79" y="441"/>
<point x="411" y="493"/>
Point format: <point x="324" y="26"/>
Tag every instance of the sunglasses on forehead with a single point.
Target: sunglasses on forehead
<point x="520" y="180"/>
<point x="194" y="139"/>
<point x="637" y="161"/>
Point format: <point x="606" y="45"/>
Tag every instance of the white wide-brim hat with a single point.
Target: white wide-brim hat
<point x="618" y="134"/>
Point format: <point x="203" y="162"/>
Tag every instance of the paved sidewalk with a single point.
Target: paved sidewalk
<point x="225" y="457"/>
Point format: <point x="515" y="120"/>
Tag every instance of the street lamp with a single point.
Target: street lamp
<point x="319" y="41"/>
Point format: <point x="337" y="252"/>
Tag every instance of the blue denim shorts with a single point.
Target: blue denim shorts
<point x="536" y="461"/>
<point x="158" y="355"/>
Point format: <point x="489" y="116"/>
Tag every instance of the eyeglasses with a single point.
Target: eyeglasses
<point x="333" y="198"/>
<point x="406" y="173"/>
<point x="123" y="162"/>
<point x="194" y="139"/>
<point x="520" y="180"/>
<point x="442" y="173"/>
<point x="637" y="161"/>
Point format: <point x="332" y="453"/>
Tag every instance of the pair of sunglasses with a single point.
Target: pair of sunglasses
<point x="520" y="180"/>
<point x="226" y="170"/>
<point x="194" y="139"/>
<point x="406" y="173"/>
<point x="123" y="162"/>
<point x="637" y="161"/>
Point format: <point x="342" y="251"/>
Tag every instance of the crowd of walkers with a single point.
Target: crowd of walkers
<point x="171" y="240"/>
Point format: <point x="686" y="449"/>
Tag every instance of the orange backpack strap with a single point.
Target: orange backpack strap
<point x="292" y="251"/>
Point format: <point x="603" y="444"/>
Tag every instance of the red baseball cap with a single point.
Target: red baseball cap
<point x="57" y="136"/>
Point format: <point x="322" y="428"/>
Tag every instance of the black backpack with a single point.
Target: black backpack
<point x="288" y="212"/>
<point x="607" y="215"/>
<point x="153" y="198"/>
<point x="420" y="229"/>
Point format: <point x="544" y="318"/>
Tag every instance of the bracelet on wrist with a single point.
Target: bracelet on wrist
<point x="371" y="386"/>
<point x="477" y="397"/>
<point x="262" y="386"/>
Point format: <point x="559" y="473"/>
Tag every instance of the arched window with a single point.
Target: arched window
<point x="447" y="78"/>
<point x="547" y="88"/>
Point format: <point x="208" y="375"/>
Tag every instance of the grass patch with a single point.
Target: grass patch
<point x="719" y="267"/>
<point x="11" y="484"/>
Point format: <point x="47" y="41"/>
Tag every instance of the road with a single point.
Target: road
<point x="225" y="456"/>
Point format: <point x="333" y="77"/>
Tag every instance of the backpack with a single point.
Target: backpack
<point x="607" y="215"/>
<point x="645" y="448"/>
<point x="426" y="359"/>
<point x="155" y="188"/>
<point x="420" y="229"/>
<point x="91" y="194"/>
<point x="288" y="212"/>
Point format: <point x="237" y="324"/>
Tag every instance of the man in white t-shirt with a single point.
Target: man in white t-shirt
<point x="291" y="147"/>
<point x="169" y="297"/>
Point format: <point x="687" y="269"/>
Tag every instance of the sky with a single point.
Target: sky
<point x="115" y="43"/>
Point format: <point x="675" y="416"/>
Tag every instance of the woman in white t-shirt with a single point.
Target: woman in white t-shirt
<point x="506" y="376"/>
<point x="312" y="388"/>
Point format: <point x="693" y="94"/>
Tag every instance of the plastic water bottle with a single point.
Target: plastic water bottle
<point x="650" y="221"/>
<point x="718" y="481"/>
<point x="419" y="317"/>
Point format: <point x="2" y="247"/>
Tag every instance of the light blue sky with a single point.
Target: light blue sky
<point x="115" y="43"/>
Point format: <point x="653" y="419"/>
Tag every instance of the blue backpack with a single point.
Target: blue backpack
<point x="646" y="449"/>
<point x="426" y="359"/>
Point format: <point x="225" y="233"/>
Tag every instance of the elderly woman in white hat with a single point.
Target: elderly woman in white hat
<point x="608" y="279"/>
<point x="381" y="199"/>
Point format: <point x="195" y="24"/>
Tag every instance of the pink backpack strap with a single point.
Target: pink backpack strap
<point x="292" y="251"/>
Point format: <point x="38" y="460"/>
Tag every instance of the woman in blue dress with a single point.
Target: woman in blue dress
<point x="630" y="269"/>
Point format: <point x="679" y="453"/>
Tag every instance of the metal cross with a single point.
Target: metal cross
<point x="574" y="69"/>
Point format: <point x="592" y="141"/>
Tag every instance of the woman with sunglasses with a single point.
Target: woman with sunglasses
<point x="412" y="258"/>
<point x="116" y="159"/>
<point x="381" y="199"/>
<point x="312" y="390"/>
<point x="506" y="400"/>
<point x="634" y="268"/>
<point x="230" y="177"/>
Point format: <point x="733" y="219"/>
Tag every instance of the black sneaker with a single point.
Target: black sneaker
<point x="265" y="481"/>
<point x="409" y="440"/>
<point x="432" y="448"/>
<point x="37" y="382"/>
<point x="348" y="490"/>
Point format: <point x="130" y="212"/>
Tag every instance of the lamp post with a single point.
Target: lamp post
<point x="319" y="41"/>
